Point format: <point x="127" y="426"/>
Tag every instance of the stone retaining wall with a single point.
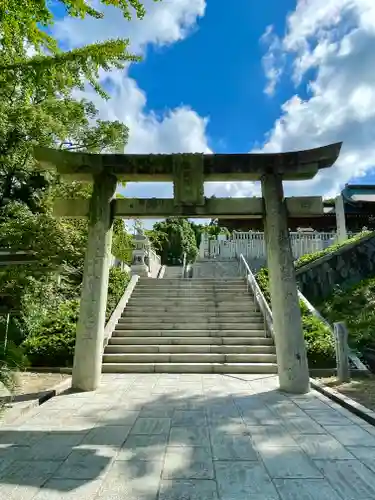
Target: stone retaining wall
<point x="344" y="268"/>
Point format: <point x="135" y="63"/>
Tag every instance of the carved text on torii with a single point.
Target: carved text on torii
<point x="188" y="180"/>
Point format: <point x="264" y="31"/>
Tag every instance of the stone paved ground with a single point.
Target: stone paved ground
<point x="188" y="437"/>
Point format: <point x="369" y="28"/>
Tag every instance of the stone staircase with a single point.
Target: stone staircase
<point x="172" y="272"/>
<point x="196" y="326"/>
<point x="215" y="269"/>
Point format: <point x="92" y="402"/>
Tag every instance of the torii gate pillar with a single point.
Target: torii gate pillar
<point x="289" y="339"/>
<point x="90" y="328"/>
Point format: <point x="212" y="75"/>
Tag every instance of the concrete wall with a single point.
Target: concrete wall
<point x="344" y="268"/>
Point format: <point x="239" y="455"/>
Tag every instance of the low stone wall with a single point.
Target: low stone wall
<point x="344" y="268"/>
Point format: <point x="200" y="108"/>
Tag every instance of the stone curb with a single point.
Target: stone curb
<point x="50" y="369"/>
<point x="21" y="409"/>
<point x="348" y="403"/>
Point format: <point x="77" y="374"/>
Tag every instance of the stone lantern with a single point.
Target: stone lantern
<point x="140" y="261"/>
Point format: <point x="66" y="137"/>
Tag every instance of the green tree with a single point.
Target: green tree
<point x="213" y="229"/>
<point x="37" y="109"/>
<point x="27" y="20"/>
<point x="172" y="238"/>
<point x="42" y="112"/>
<point x="198" y="230"/>
<point x="122" y="242"/>
<point x="27" y="23"/>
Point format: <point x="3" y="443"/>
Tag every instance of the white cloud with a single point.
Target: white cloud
<point x="165" y="22"/>
<point x="272" y="60"/>
<point x="336" y="39"/>
<point x="178" y="130"/>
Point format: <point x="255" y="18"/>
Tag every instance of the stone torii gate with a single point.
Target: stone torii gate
<point x="188" y="173"/>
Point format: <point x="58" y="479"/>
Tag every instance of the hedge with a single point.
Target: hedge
<point x="355" y="306"/>
<point x="54" y="344"/>
<point x="318" y="337"/>
<point x="311" y="257"/>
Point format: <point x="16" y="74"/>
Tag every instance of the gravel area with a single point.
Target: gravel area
<point x="361" y="389"/>
<point x="32" y="383"/>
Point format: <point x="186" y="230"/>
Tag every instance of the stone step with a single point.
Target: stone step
<point x="270" y="368"/>
<point x="184" y="319"/>
<point x="190" y="283"/>
<point x="202" y="288"/>
<point x="188" y="358"/>
<point x="124" y="324"/>
<point x="131" y="314"/>
<point x="188" y="286"/>
<point x="192" y="348"/>
<point x="226" y="279"/>
<point x="190" y="340"/>
<point x="213" y="307"/>
<point x="191" y="296"/>
<point x="192" y="302"/>
<point x="256" y="332"/>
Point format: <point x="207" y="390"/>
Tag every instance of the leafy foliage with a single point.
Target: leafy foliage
<point x="319" y="342"/>
<point x="53" y="343"/>
<point x="122" y="242"/>
<point x="172" y="238"/>
<point x="355" y="306"/>
<point x="37" y="109"/>
<point x="118" y="281"/>
<point x="213" y="230"/>
<point x="26" y="20"/>
<point x="26" y="24"/>
<point x="262" y="278"/>
<point x="311" y="257"/>
<point x="12" y="360"/>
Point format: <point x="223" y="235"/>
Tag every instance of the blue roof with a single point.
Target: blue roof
<point x="359" y="193"/>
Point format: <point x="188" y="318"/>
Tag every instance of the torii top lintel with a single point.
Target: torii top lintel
<point x="297" y="165"/>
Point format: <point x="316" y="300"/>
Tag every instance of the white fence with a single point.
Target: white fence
<point x="252" y="245"/>
<point x="115" y="262"/>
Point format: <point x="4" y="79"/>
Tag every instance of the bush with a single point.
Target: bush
<point x="355" y="306"/>
<point x="319" y="342"/>
<point x="54" y="344"/>
<point x="311" y="257"/>
<point x="320" y="345"/>
<point x="172" y="238"/>
<point x="262" y="278"/>
<point x="12" y="361"/>
<point x="118" y="281"/>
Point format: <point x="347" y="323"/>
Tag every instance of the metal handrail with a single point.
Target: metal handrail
<point x="260" y="299"/>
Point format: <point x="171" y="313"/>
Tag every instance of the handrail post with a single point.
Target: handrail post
<point x="342" y="352"/>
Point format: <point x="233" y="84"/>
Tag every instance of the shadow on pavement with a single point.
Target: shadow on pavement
<point x="177" y="437"/>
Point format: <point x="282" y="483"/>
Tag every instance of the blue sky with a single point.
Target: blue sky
<point x="275" y="75"/>
<point x="217" y="71"/>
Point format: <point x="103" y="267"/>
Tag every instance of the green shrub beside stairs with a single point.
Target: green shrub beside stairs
<point x="54" y="344"/>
